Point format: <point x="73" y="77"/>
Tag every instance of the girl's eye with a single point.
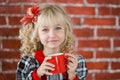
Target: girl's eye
<point x="58" y="28"/>
<point x="45" y="30"/>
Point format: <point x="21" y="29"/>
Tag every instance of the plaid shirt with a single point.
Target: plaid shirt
<point x="28" y="64"/>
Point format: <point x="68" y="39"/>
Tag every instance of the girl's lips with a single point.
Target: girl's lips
<point x="53" y="40"/>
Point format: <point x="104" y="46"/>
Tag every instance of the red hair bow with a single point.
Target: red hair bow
<point x="32" y="14"/>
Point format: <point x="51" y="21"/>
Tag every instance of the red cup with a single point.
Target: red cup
<point x="59" y="61"/>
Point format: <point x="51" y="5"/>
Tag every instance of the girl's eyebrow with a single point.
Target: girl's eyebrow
<point x="45" y="26"/>
<point x="58" y="25"/>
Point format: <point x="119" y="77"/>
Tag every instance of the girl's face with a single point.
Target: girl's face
<point x="51" y="36"/>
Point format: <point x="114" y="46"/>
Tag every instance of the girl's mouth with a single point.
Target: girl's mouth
<point x="53" y="41"/>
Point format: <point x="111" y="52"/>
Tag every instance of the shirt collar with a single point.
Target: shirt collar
<point x="39" y="56"/>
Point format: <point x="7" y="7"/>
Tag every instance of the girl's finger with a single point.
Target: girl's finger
<point x="71" y="55"/>
<point x="49" y="64"/>
<point x="71" y="59"/>
<point x="68" y="66"/>
<point x="48" y="73"/>
<point x="72" y="65"/>
<point x="47" y="58"/>
<point x="48" y="68"/>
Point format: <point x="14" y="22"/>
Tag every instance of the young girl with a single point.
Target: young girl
<point x="47" y="30"/>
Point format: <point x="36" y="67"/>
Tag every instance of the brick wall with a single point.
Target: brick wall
<point x="97" y="27"/>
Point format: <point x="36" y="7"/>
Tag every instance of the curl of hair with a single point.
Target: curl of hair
<point x="69" y="42"/>
<point x="24" y="36"/>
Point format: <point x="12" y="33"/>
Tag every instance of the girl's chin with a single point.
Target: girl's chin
<point x="53" y="47"/>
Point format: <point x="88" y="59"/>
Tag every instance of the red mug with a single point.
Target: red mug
<point x="59" y="61"/>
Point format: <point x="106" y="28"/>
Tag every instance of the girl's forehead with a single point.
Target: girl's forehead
<point x="45" y="25"/>
<point x="51" y="20"/>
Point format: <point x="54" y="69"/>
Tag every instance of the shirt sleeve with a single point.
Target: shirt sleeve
<point x="35" y="76"/>
<point x="81" y="69"/>
<point x="76" y="78"/>
<point x="26" y="67"/>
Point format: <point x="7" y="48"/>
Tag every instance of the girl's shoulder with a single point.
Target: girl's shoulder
<point x="26" y="63"/>
<point x="26" y="58"/>
<point x="81" y="68"/>
<point x="80" y="57"/>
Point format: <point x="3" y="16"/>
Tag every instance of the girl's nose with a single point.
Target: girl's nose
<point x="52" y="33"/>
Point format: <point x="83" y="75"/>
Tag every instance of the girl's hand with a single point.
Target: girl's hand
<point x="72" y="65"/>
<point x="45" y="67"/>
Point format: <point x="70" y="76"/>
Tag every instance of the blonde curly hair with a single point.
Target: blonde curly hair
<point x="49" y="14"/>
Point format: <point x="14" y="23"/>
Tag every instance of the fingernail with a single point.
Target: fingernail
<point x="53" y="65"/>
